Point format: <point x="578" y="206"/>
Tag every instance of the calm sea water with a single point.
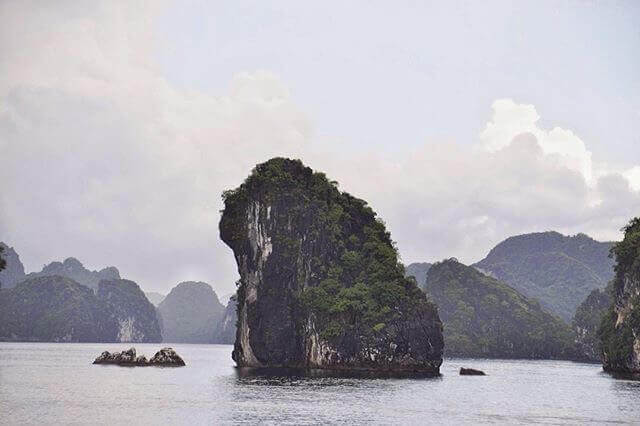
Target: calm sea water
<point x="56" y="383"/>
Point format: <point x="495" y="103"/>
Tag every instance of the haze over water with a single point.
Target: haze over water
<point x="56" y="383"/>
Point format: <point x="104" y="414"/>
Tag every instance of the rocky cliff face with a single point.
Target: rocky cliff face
<point x="225" y="331"/>
<point x="72" y="268"/>
<point x="620" y="329"/>
<point x="560" y="271"/>
<point x="190" y="313"/>
<point x="321" y="285"/>
<point x="13" y="272"/>
<point x="134" y="315"/>
<point x="586" y="323"/>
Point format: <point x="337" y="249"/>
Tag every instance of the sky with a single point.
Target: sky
<point x="461" y="123"/>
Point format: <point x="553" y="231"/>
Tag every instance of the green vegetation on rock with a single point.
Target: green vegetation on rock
<point x="619" y="331"/>
<point x="483" y="317"/>
<point x="318" y="268"/>
<point x="558" y="270"/>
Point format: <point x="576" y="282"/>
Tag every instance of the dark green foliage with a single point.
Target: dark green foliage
<point x="337" y="259"/>
<point x="557" y="270"/>
<point x="484" y="317"/>
<point x="587" y="320"/>
<point x="627" y="256"/>
<point x="618" y="340"/>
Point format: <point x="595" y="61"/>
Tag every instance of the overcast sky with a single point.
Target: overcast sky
<point x="460" y="123"/>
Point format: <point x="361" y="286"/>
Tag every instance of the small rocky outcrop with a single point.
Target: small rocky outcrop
<point x="13" y="271"/>
<point x="320" y="281"/>
<point x="619" y="332"/>
<point x="471" y="372"/>
<point x="164" y="357"/>
<point x="190" y="313"/>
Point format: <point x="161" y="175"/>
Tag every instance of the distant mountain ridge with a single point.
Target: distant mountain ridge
<point x="558" y="270"/>
<point x="483" y="317"/>
<point x="73" y="268"/>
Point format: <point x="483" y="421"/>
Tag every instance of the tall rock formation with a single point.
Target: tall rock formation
<point x="72" y="268"/>
<point x="190" y="313"/>
<point x="13" y="271"/>
<point x="486" y="318"/>
<point x="558" y="270"/>
<point x="620" y="329"/>
<point x="320" y="282"/>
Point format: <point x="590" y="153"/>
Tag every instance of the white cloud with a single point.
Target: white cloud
<point x="511" y="119"/>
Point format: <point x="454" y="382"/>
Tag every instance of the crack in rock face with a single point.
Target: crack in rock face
<point x="311" y="261"/>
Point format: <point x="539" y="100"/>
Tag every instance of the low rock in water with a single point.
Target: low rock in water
<point x="164" y="357"/>
<point x="471" y="372"/>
